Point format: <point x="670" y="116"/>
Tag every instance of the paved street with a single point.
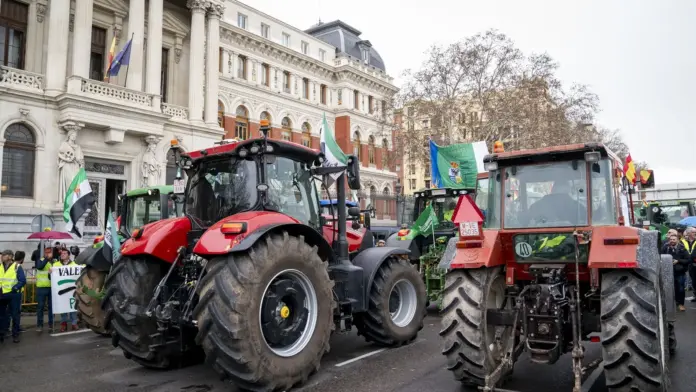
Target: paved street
<point x="85" y="362"/>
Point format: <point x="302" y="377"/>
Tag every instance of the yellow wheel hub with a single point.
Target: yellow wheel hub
<point x="284" y="312"/>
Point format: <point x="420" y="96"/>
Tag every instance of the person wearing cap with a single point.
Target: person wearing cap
<point x="65" y="261"/>
<point x="12" y="280"/>
<point x="43" y="289"/>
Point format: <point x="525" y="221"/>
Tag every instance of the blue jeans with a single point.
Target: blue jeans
<point x="72" y="315"/>
<point x="679" y="288"/>
<point x="9" y="310"/>
<point x="43" y="296"/>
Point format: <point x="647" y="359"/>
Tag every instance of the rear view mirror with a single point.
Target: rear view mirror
<point x="353" y="172"/>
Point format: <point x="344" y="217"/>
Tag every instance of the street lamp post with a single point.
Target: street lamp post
<point x="399" y="202"/>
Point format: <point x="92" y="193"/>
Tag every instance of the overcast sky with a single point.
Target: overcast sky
<point x="638" y="56"/>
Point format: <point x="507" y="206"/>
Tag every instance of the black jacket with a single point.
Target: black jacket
<point x="680" y="254"/>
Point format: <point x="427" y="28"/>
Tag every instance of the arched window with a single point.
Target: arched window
<point x="371" y="149"/>
<point x="356" y="144"/>
<point x="241" y="128"/>
<point x="306" y="135"/>
<point x="18" y="161"/>
<point x="385" y="193"/>
<point x="221" y="115"/>
<point x="286" y="124"/>
<point x="266" y="116"/>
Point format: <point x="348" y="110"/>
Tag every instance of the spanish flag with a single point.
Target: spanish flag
<point x="646" y="178"/>
<point x="630" y="170"/>
<point x="112" y="51"/>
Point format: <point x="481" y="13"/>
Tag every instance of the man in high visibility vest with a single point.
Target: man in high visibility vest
<point x="689" y="244"/>
<point x="12" y="280"/>
<point x="43" y="289"/>
<point x="63" y="262"/>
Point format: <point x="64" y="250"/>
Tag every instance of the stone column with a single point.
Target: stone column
<point x="136" y="31"/>
<point x="81" y="44"/>
<point x="225" y="59"/>
<point x="212" y="64"/>
<point x="154" y="51"/>
<point x="57" y="46"/>
<point x="195" y="102"/>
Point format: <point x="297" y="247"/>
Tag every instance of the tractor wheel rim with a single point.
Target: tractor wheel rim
<point x="497" y="336"/>
<point x="403" y="302"/>
<point x="288" y="313"/>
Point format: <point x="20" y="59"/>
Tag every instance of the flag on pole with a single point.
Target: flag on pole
<point x="456" y="165"/>
<point x="78" y="200"/>
<point x="630" y="170"/>
<point x="425" y="224"/>
<point x="112" y="52"/>
<point x="122" y="58"/>
<point x="332" y="152"/>
<point x="112" y="244"/>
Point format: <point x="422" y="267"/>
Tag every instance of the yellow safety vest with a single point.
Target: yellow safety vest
<point x="60" y="264"/>
<point x="686" y="245"/>
<point x="8" y="277"/>
<point x="42" y="279"/>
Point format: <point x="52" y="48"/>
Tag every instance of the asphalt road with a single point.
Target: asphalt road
<point x="86" y="362"/>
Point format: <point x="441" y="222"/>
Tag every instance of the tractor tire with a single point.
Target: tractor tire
<point x="129" y="288"/>
<point x="89" y="309"/>
<point x="265" y="316"/>
<point x="635" y="336"/>
<point x="672" y="340"/>
<point x="397" y="305"/>
<point x="465" y="333"/>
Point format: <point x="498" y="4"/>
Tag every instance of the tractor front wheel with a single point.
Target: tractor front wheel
<point x="89" y="288"/>
<point x="635" y="333"/>
<point x="265" y="316"/>
<point x="473" y="347"/>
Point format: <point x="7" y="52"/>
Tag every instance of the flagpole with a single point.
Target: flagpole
<point x="128" y="65"/>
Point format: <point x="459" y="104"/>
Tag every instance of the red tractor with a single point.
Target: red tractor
<point x="553" y="270"/>
<point x="251" y="278"/>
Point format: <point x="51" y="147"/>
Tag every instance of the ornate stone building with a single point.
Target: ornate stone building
<point x="199" y="71"/>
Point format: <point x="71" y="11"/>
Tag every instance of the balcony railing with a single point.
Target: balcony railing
<point x="177" y="112"/>
<point x="21" y="79"/>
<point x="117" y="94"/>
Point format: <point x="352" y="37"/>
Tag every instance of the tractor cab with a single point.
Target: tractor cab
<point x="668" y="212"/>
<point x="142" y="206"/>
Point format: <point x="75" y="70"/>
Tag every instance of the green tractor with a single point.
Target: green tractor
<point x="137" y="208"/>
<point x="665" y="215"/>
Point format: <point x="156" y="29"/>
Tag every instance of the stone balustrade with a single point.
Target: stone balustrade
<point x="176" y="112"/>
<point x="117" y="94"/>
<point x="20" y="79"/>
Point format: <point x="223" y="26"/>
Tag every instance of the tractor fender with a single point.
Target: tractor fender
<point x="667" y="280"/>
<point x="410" y="245"/>
<point x="370" y="260"/>
<point x="311" y="236"/>
<point x="160" y="239"/>
<point x="94" y="258"/>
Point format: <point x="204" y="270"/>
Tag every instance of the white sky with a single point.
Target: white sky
<point x="638" y="56"/>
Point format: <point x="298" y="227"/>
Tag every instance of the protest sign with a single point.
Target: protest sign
<point x="63" y="287"/>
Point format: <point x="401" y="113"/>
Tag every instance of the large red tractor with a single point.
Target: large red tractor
<point x="249" y="278"/>
<point x="550" y="272"/>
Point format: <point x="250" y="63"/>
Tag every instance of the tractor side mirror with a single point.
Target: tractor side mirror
<point x="353" y="172"/>
<point x="354" y="212"/>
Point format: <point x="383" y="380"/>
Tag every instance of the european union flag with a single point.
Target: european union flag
<point x="122" y="58"/>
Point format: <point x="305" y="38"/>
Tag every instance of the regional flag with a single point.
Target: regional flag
<point x="78" y="200"/>
<point x="630" y="170"/>
<point x="112" y="244"/>
<point x="332" y="152"/>
<point x="456" y="165"/>
<point x="122" y="58"/>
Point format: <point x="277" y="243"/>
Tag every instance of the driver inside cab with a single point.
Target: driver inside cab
<point x="558" y="206"/>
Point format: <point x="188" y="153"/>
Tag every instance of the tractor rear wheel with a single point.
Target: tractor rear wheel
<point x="397" y="305"/>
<point x="89" y="308"/>
<point x="265" y="316"/>
<point x="635" y="336"/>
<point x="129" y="289"/>
<point x="473" y="347"/>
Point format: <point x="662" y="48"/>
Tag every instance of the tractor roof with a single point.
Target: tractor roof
<point x="280" y="148"/>
<point x="550" y="154"/>
<point x="166" y="189"/>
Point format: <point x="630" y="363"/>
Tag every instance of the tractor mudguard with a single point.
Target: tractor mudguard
<point x="667" y="278"/>
<point x="160" y="239"/>
<point x="616" y="255"/>
<point x="93" y="257"/>
<point x="370" y="260"/>
<point x="394" y="242"/>
<point x="312" y="237"/>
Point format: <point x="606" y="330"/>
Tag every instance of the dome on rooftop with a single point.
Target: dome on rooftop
<point x="347" y="40"/>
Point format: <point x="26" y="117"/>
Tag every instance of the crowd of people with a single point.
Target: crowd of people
<point x="682" y="247"/>
<point x="13" y="282"/>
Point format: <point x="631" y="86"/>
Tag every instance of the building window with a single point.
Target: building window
<point x="242" y="67"/>
<point x="412" y="184"/>
<point x="356" y="100"/>
<point x="286" y="123"/>
<point x="412" y="169"/>
<point x="265" y="75"/>
<point x="371" y="149"/>
<point x="410" y="126"/>
<point x="306" y="135"/>
<point x="242" y="21"/>
<point x="241" y="126"/>
<point x="411" y="111"/>
<point x="356" y="144"/>
<point x="383" y="109"/>
<point x="13" y="29"/>
<point x="97" y="64"/>
<point x="164" y="76"/>
<point x="370" y="104"/>
<point x="286" y="39"/>
<point x="322" y="55"/>
<point x="366" y="55"/>
<point x="265" y="30"/>
<point x="286" y="135"/>
<point x="427" y="184"/>
<point x="266" y="116"/>
<point x="305" y="88"/>
<point x="305" y="47"/>
<point x="322" y="94"/>
<point x="18" y="161"/>
<point x="286" y="81"/>
<point x="221" y="114"/>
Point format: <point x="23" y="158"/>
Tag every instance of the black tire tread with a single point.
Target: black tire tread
<point x="89" y="309"/>
<point x="631" y="348"/>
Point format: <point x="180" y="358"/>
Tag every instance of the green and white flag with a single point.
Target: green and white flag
<point x="425" y="224"/>
<point x="78" y="200"/>
<point x="332" y="152"/>
<point x="112" y="246"/>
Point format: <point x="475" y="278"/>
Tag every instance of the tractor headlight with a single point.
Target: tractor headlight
<point x="243" y="153"/>
<point x="255" y="149"/>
